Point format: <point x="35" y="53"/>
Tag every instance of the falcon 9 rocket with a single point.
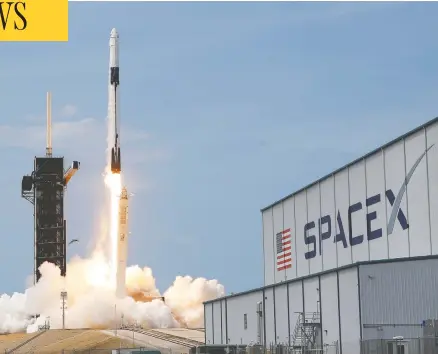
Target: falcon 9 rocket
<point x="121" y="252"/>
<point x="113" y="100"/>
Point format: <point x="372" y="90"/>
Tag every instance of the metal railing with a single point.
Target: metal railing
<point x="285" y="349"/>
<point x="304" y="334"/>
<point x="184" y="342"/>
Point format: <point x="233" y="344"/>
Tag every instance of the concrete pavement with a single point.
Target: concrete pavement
<point x="149" y="342"/>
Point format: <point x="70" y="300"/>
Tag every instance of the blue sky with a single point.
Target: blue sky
<point x="225" y="108"/>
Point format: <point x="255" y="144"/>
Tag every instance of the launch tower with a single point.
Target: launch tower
<point x="44" y="188"/>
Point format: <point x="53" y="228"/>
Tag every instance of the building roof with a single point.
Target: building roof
<point x="333" y="270"/>
<point x="424" y="126"/>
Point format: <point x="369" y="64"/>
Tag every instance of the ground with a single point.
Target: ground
<point x="177" y="340"/>
<point x="54" y="341"/>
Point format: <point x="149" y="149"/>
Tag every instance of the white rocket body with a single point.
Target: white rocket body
<point x="122" y="245"/>
<point x="113" y="101"/>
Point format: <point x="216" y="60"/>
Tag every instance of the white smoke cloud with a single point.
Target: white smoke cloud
<point x="92" y="302"/>
<point x="138" y="279"/>
<point x="185" y="296"/>
<point x="89" y="282"/>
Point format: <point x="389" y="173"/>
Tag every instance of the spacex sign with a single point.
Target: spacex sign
<point x="322" y="230"/>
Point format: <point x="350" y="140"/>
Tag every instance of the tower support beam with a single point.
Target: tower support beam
<point x="45" y="188"/>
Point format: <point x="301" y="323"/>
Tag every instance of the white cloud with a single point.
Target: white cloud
<point x="64" y="134"/>
<point x="68" y="111"/>
<point x="84" y="139"/>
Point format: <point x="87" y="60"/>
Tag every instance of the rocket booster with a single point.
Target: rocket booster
<point x="113" y="100"/>
<point x="122" y="245"/>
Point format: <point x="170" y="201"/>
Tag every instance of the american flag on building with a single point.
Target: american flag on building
<point x="284" y="253"/>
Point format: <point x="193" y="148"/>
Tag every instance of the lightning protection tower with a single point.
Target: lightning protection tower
<point x="44" y="188"/>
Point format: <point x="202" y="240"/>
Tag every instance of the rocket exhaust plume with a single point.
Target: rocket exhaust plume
<point x="101" y="288"/>
<point x="122" y="244"/>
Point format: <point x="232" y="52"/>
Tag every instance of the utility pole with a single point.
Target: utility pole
<point x="115" y="320"/>
<point x="63" y="306"/>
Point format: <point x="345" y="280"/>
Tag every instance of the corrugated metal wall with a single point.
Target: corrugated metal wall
<point x="396" y="297"/>
<point x="208" y="322"/>
<point x="282" y="303"/>
<point x="349" y="310"/>
<point x="237" y="308"/>
<point x="375" y="301"/>
<point x="217" y="322"/>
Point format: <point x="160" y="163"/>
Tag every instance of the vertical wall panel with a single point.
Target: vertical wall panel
<point x="281" y="319"/>
<point x="358" y="226"/>
<point x="209" y="325"/>
<point x="417" y="195"/>
<point x="295" y="303"/>
<point x="398" y="242"/>
<point x="376" y="210"/>
<point x="301" y="221"/>
<point x="289" y="223"/>
<point x="398" y="293"/>
<point x="341" y="219"/>
<point x="277" y="212"/>
<point x="268" y="247"/>
<point x="311" y="294"/>
<point x="269" y="316"/>
<point x="432" y="167"/>
<point x="349" y="310"/>
<point x="224" y="322"/>
<point x="313" y="215"/>
<point x="328" y="225"/>
<point x="329" y="308"/>
<point x="237" y="306"/>
<point x="217" y="327"/>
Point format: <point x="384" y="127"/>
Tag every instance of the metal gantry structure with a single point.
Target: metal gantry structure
<point x="45" y="188"/>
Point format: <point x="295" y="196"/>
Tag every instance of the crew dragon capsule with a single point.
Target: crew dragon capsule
<point x="113" y="100"/>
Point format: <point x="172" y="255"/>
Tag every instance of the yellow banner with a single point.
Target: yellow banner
<point x="34" y="21"/>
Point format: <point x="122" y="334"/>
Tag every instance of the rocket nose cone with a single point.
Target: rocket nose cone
<point x="114" y="33"/>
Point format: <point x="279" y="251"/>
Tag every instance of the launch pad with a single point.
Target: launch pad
<point x="44" y="188"/>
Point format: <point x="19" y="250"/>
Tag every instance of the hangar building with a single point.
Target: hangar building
<point x="351" y="257"/>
